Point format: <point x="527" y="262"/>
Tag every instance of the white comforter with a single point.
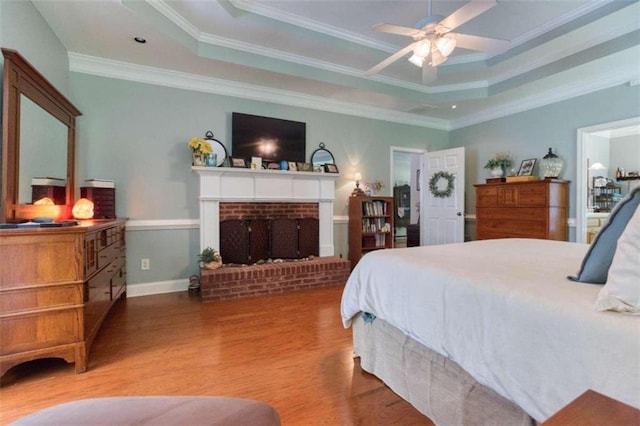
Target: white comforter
<point x="505" y="312"/>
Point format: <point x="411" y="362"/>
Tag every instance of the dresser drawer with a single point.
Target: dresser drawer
<point x="39" y="330"/>
<point x="25" y="299"/>
<point x="532" y="195"/>
<point x="512" y="213"/>
<point x="487" y="196"/>
<point x="514" y="228"/>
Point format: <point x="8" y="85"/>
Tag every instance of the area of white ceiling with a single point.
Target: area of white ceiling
<point x="314" y="53"/>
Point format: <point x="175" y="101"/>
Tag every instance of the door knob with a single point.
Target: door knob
<point x="459" y="213"/>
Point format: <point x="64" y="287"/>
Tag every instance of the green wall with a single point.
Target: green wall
<point x="137" y="134"/>
<point x="529" y="135"/>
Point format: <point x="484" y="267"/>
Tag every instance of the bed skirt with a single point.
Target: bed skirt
<point x="436" y="386"/>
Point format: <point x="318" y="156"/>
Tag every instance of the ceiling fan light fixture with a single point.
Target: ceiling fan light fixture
<point x="446" y="44"/>
<point x="437" y="58"/>
<point x="422" y="48"/>
<point x="416" y="60"/>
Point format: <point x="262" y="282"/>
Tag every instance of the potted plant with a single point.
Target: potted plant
<point x="210" y="258"/>
<point x="498" y="164"/>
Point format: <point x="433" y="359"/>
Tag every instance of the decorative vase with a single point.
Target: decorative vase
<point x="210" y="160"/>
<point x="497" y="172"/>
<point x="551" y="165"/>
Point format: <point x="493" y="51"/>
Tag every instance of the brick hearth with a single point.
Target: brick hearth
<point x="235" y="282"/>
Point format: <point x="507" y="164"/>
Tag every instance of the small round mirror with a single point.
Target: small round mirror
<point x="322" y="156"/>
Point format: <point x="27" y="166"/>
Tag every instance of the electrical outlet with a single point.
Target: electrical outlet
<point x="144" y="264"/>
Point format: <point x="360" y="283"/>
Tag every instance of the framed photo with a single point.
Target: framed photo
<point x="331" y="168"/>
<point x="238" y="162"/>
<point x="526" y="167"/>
<point x="198" y="159"/>
<point x="305" y="167"/>
<point x="293" y="166"/>
<point x="273" y="165"/>
<point x="256" y="162"/>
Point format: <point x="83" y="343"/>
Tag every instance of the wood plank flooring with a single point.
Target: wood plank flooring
<point x="287" y="350"/>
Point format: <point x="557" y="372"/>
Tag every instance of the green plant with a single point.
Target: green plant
<point x="501" y="160"/>
<point x="209" y="255"/>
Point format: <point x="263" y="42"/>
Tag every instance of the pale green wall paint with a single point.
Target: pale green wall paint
<point x="529" y="134"/>
<point x="136" y="134"/>
<point x="22" y="28"/>
<point x="172" y="254"/>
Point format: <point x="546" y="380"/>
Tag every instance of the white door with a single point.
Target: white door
<point x="442" y="215"/>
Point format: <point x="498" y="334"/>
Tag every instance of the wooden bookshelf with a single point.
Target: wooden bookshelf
<point x="370" y="225"/>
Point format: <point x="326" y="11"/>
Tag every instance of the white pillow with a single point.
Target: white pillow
<point x="621" y="292"/>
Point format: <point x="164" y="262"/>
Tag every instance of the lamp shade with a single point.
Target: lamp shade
<point x="597" y="166"/>
<point x="416" y="60"/>
<point x="422" y="48"/>
<point x="446" y="44"/>
<point x="437" y="58"/>
<point x="357" y="176"/>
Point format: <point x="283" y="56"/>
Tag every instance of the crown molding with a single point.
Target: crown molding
<point x="143" y="74"/>
<point x="310" y="24"/>
<point x="547" y="97"/>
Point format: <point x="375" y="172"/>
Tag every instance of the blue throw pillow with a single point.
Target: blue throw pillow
<point x="595" y="265"/>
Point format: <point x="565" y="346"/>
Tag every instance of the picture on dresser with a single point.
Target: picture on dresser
<point x="526" y="167"/>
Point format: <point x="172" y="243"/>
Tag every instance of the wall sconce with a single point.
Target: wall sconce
<point x="82" y="209"/>
<point x="357" y="192"/>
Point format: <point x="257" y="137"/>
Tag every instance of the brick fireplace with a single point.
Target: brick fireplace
<point x="250" y="232"/>
<point x="234" y="193"/>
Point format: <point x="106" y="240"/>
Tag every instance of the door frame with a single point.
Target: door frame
<point x="583" y="135"/>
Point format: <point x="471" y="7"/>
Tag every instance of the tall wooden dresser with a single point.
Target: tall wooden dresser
<point x="56" y="287"/>
<point x="532" y="209"/>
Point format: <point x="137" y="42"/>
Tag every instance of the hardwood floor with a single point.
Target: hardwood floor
<point x="287" y="350"/>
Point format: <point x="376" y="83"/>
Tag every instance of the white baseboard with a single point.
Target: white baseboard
<point x="159" y="287"/>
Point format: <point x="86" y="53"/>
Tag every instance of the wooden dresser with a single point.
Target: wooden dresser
<point x="56" y="287"/>
<point x="533" y="209"/>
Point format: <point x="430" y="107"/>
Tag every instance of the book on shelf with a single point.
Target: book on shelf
<point x="48" y="181"/>
<point x="99" y="183"/>
<point x="374" y="208"/>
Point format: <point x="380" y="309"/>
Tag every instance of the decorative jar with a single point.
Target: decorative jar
<point x="551" y="165"/>
<point x="210" y="159"/>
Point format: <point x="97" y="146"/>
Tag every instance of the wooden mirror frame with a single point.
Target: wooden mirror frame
<point x="21" y="78"/>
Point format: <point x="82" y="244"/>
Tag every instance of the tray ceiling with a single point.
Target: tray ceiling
<point x="315" y="52"/>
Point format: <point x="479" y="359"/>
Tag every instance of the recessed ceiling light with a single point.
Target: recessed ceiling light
<point x="454" y="106"/>
<point x="140" y="40"/>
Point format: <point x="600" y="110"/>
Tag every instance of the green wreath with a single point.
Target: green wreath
<point x="433" y="184"/>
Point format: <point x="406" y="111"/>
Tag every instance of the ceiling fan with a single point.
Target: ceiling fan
<point x="433" y="40"/>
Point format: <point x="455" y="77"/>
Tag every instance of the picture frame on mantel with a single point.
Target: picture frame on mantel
<point x="197" y="159"/>
<point x="331" y="168"/>
<point x="238" y="162"/>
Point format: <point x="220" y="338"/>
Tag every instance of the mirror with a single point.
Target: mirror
<point x="322" y="156"/>
<point x="38" y="130"/>
<point x="43" y="149"/>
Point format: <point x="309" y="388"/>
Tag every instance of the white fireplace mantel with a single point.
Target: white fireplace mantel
<point x="227" y="184"/>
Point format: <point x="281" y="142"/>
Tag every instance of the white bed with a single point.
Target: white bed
<point x="504" y="311"/>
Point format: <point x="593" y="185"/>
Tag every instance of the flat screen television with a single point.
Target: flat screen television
<point x="271" y="139"/>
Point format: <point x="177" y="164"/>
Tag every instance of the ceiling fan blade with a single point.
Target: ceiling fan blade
<point x="397" y="29"/>
<point x="391" y="59"/>
<point x="482" y="44"/>
<point x="467" y="12"/>
<point x="429" y="73"/>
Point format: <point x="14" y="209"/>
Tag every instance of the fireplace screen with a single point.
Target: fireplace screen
<point x="248" y="241"/>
